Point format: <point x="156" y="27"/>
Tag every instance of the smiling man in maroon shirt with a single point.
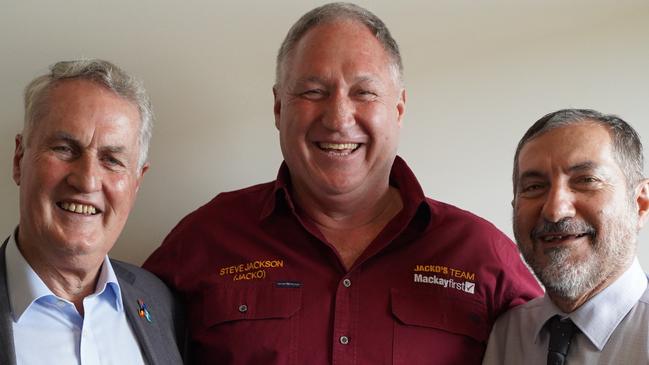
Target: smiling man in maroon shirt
<point x="342" y="259"/>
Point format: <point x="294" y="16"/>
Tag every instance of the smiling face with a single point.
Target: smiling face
<point x="574" y="219"/>
<point x="78" y="173"/>
<point x="338" y="110"/>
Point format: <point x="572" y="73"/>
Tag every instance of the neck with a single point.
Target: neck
<point x="350" y="224"/>
<point x="69" y="277"/>
<point x="349" y="210"/>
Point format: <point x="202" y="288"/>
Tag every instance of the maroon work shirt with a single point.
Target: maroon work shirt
<point x="263" y="286"/>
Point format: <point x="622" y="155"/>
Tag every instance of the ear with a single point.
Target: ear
<point x="401" y="106"/>
<point x="18" y="158"/>
<point x="277" y="105"/>
<point x="642" y="199"/>
<point x="143" y="170"/>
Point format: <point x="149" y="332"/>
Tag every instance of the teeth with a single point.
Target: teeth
<point x="557" y="238"/>
<point x="338" y="146"/>
<point x="79" y="208"/>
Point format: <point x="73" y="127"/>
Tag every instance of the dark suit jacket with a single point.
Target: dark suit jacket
<point x="157" y="339"/>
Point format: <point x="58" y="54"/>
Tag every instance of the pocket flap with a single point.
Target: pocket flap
<point x="432" y="309"/>
<point x="250" y="302"/>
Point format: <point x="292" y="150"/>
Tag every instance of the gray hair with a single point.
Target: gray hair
<point x="332" y="12"/>
<point x="627" y="146"/>
<point x="101" y="72"/>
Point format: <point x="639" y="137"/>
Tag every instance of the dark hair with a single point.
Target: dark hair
<point x="626" y="142"/>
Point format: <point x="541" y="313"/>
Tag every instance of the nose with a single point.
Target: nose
<point x="85" y="174"/>
<point x="340" y="112"/>
<point x="559" y="204"/>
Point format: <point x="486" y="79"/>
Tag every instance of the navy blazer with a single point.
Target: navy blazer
<point x="158" y="339"/>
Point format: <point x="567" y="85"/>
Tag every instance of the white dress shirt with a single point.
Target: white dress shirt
<point x="614" y="327"/>
<point x="49" y="330"/>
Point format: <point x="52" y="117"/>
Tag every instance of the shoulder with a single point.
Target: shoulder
<point x="462" y="234"/>
<point x="444" y="212"/>
<point x="512" y="336"/>
<point x="251" y="193"/>
<point x="246" y="200"/>
<point x="452" y="220"/>
<point x="518" y="323"/>
<point x="522" y="314"/>
<point x="466" y="232"/>
<point x="139" y="278"/>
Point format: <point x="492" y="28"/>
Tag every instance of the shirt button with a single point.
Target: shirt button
<point x="60" y="304"/>
<point x="347" y="283"/>
<point x="344" y="340"/>
<point x="243" y="308"/>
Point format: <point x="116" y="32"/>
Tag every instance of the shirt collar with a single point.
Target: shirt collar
<point x="401" y="177"/>
<point x="600" y="316"/>
<point x="25" y="286"/>
<point x="280" y="193"/>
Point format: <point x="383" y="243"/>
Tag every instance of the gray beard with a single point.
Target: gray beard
<point x="569" y="279"/>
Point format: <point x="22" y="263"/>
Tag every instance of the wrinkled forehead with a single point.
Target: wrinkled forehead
<point x="337" y="34"/>
<point x="587" y="144"/>
<point x="82" y="106"/>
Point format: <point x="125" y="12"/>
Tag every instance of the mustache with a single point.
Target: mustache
<point x="565" y="226"/>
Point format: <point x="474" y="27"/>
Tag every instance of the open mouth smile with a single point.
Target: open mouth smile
<point x="79" y="208"/>
<point x="562" y="237"/>
<point x="340" y="149"/>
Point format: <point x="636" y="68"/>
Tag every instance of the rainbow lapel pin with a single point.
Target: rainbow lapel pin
<point x="142" y="311"/>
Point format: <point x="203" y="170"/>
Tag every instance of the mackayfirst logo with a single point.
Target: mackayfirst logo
<point x="465" y="286"/>
<point x="445" y="276"/>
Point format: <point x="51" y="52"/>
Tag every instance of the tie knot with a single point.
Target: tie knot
<point x="561" y="332"/>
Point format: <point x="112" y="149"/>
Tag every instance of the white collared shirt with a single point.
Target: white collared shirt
<point x="614" y="327"/>
<point x="49" y="330"/>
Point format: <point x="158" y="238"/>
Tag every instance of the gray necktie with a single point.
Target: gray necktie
<point x="561" y="332"/>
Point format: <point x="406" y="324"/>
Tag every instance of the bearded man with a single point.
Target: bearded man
<point x="580" y="199"/>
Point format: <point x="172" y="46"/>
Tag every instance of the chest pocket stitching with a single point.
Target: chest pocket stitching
<point x="431" y="310"/>
<point x="250" y="302"/>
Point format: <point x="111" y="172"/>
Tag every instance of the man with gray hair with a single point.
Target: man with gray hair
<point x="580" y="199"/>
<point x="341" y="259"/>
<point x="79" y="163"/>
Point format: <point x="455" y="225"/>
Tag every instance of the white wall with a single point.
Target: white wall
<point x="477" y="73"/>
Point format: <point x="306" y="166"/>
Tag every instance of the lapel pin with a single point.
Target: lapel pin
<point x="142" y="311"/>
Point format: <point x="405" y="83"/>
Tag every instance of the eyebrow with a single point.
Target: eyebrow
<point x="304" y="80"/>
<point x="67" y="137"/>
<point x="64" y="136"/>
<point x="530" y="175"/>
<point x="113" y="149"/>
<point x="583" y="166"/>
<point x="326" y="81"/>
<point x="580" y="167"/>
<point x="369" y="79"/>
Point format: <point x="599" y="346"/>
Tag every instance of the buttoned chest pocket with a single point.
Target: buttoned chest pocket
<point x="250" y="324"/>
<point x="433" y="327"/>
